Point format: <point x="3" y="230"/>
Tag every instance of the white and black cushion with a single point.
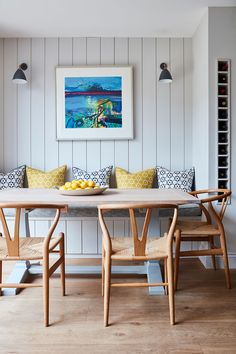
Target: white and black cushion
<point x="175" y="179"/>
<point x="13" y="179"/>
<point x="101" y="177"/>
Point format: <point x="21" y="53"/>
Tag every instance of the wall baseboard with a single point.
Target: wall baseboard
<point x="206" y="261"/>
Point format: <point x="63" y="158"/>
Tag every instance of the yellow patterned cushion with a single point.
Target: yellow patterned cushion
<point x="41" y="179"/>
<point x="142" y="179"/>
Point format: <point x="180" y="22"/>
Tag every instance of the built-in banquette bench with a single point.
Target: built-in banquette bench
<point x="83" y="235"/>
<point x="82" y="230"/>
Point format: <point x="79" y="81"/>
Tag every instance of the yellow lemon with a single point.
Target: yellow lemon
<point x="70" y="189"/>
<point x="83" y="184"/>
<point x="91" y="183"/>
<point x="62" y="188"/>
<point x="67" y="184"/>
<point x="74" y="185"/>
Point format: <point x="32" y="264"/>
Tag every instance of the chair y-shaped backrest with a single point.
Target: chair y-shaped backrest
<point x="138" y="242"/>
<point x="12" y="241"/>
<point x="220" y="195"/>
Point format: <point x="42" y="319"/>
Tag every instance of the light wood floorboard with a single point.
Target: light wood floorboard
<point x="205" y="312"/>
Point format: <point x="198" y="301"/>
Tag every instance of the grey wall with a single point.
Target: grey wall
<point x="222" y="44"/>
<point x="162" y="113"/>
<point x="200" y="107"/>
<point x="215" y="38"/>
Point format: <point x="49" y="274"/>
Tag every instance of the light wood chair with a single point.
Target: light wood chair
<point x="137" y="249"/>
<point x="208" y="230"/>
<point x="16" y="248"/>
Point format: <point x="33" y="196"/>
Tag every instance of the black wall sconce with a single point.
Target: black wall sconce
<point x="19" y="76"/>
<point x="165" y="75"/>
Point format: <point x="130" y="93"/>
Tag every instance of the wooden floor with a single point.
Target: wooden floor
<point x="206" y="315"/>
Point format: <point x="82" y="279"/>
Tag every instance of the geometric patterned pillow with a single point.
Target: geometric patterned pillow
<point x="175" y="179"/>
<point x="141" y="179"/>
<point x="13" y="179"/>
<point x="101" y="177"/>
<point x="40" y="179"/>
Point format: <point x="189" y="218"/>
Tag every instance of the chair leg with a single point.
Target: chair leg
<point x="165" y="276"/>
<point x="177" y="257"/>
<point x="62" y="266"/>
<point x="107" y="263"/>
<point x="0" y="277"/>
<point x="171" y="289"/>
<point x="213" y="257"/>
<point x="103" y="271"/>
<point x="225" y="259"/>
<point x="46" y="290"/>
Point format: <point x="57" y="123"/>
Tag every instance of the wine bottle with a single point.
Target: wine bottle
<point x="222" y="184"/>
<point x="222" y="90"/>
<point x="222" y="66"/>
<point x="222" y="126"/>
<point x="222" y="114"/>
<point x="222" y="173"/>
<point x="223" y="161"/>
<point x="222" y="78"/>
<point x="222" y="138"/>
<point x="222" y="150"/>
<point x="222" y="102"/>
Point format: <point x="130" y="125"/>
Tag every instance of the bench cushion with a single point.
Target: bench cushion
<point x="141" y="179"/>
<point x="175" y="179"/>
<point x="40" y="179"/>
<point x="100" y="177"/>
<point x="13" y="179"/>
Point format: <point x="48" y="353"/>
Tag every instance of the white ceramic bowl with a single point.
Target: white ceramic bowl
<point x="90" y="191"/>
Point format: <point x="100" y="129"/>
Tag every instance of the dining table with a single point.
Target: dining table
<point x="28" y="196"/>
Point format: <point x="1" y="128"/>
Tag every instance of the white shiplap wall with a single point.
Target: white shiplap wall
<point x="162" y="113"/>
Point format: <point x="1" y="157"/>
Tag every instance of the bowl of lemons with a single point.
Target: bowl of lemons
<point x="81" y="187"/>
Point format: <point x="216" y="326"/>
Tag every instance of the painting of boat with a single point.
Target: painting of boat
<point x="93" y="102"/>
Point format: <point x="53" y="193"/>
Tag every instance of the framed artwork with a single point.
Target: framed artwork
<point x="94" y="102"/>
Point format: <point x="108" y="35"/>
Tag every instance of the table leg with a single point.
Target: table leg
<point x="151" y="269"/>
<point x="139" y="269"/>
<point x="22" y="269"/>
<point x="18" y="275"/>
<point x="154" y="276"/>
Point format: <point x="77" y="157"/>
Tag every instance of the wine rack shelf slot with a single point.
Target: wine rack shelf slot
<point x="223" y="122"/>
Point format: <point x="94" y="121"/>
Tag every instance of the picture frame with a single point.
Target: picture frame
<point x="94" y="102"/>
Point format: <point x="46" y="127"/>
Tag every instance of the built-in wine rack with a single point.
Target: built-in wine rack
<point x="223" y="123"/>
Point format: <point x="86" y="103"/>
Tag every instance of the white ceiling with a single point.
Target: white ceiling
<point x="112" y="18"/>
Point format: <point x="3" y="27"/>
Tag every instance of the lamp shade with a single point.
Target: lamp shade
<point x="165" y="75"/>
<point x="19" y="76"/>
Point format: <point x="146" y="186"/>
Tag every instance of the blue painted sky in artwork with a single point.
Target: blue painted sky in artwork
<point x="84" y="83"/>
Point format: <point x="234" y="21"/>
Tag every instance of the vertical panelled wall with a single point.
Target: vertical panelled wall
<point x="162" y="113"/>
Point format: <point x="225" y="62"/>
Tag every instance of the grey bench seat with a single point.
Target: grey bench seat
<point x="191" y="210"/>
